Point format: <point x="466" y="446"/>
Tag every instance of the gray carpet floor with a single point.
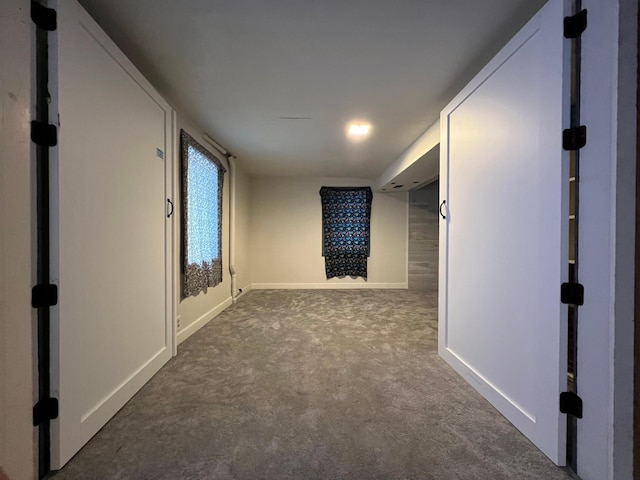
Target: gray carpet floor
<point x="335" y="384"/>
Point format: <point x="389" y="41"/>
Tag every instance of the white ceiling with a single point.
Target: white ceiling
<point x="241" y="68"/>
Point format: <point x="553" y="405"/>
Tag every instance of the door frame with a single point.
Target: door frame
<point x="607" y="239"/>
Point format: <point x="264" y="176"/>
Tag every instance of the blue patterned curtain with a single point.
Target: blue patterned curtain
<point x="346" y="220"/>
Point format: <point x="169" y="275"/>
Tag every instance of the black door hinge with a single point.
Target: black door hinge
<point x="574" y="138"/>
<point x="45" y="410"/>
<point x="44" y="134"/>
<point x="45" y="18"/>
<point x="572" y="293"/>
<point x="44" y="296"/>
<point x="575" y="25"/>
<point x="571" y="404"/>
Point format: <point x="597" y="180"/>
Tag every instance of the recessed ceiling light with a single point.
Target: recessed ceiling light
<point x="359" y="130"/>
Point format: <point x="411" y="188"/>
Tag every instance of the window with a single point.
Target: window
<point x="346" y="219"/>
<point x="202" y="176"/>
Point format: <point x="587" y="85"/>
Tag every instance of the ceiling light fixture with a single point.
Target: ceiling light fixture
<point x="359" y="129"/>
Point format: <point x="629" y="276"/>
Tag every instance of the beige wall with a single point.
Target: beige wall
<point x="17" y="321"/>
<point x="286" y="225"/>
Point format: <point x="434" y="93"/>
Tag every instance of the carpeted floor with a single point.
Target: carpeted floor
<point x="293" y="384"/>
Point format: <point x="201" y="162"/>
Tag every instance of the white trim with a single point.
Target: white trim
<point x="202" y="320"/>
<point x="328" y="286"/>
<point x="486" y="387"/>
<point x="606" y="248"/>
<point x="232" y="226"/>
<point x="243" y="291"/>
<point x="406" y="247"/>
<point x="625" y="240"/>
<point x="175" y="231"/>
<point x="121" y="393"/>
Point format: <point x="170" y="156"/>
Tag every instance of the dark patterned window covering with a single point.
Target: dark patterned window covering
<point x="346" y="221"/>
<point x="202" y="177"/>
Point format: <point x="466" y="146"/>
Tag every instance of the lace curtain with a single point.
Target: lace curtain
<point x="202" y="177"/>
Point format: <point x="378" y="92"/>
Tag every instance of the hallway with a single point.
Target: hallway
<point x="342" y="384"/>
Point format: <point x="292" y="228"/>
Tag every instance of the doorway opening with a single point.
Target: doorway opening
<point x="423" y="239"/>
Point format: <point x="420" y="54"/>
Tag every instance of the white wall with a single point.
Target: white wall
<point x="17" y="320"/>
<point x="286" y="225"/>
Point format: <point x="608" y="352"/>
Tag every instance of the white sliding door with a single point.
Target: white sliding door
<point x="504" y="243"/>
<point x="112" y="329"/>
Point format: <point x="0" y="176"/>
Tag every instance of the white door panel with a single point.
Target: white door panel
<point x="504" y="251"/>
<point x="112" y="328"/>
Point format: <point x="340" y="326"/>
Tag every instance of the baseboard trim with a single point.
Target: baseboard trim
<point x="328" y="286"/>
<point x="202" y="321"/>
<point x="244" y="291"/>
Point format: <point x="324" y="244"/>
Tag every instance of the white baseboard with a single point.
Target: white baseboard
<point x="202" y="321"/>
<point x="328" y="286"/>
<point x="244" y="290"/>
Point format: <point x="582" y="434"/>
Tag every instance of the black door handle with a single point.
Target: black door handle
<point x="443" y="204"/>
<point x="171" y="205"/>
